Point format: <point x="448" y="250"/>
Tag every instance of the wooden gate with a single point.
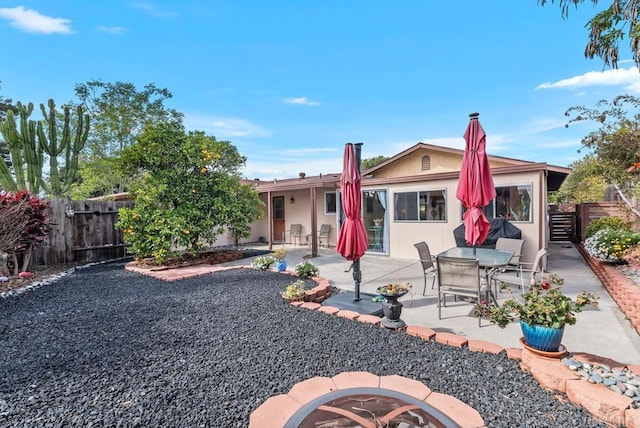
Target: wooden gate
<point x="562" y="226"/>
<point x="82" y="231"/>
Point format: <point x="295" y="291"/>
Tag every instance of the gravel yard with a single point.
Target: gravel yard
<point x="107" y="347"/>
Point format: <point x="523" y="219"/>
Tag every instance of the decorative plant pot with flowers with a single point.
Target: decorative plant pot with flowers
<point x="281" y="263"/>
<point x="391" y="307"/>
<point x="543" y="312"/>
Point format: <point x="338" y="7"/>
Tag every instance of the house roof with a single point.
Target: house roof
<point x="555" y="174"/>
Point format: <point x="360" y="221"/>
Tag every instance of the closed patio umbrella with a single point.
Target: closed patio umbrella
<point x="352" y="239"/>
<point x="475" y="187"/>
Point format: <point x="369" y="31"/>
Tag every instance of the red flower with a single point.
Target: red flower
<point x="546" y="285"/>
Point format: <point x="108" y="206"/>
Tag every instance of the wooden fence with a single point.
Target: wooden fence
<point x="588" y="212"/>
<point x="82" y="231"/>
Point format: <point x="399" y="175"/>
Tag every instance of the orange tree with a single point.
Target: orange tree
<point x="190" y="192"/>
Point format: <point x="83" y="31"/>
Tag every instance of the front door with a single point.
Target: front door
<point x="278" y="219"/>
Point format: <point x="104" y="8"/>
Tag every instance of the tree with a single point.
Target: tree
<point x="371" y="162"/>
<point x="608" y="28"/>
<point x="584" y="184"/>
<point x="616" y="144"/>
<point x="189" y="195"/>
<point x="119" y="114"/>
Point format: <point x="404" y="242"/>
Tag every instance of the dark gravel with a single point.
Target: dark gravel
<point x="107" y="347"/>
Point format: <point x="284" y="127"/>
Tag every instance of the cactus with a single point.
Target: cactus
<point x="60" y="179"/>
<point x="26" y="156"/>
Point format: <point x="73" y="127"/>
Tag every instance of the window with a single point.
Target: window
<point x="330" y="203"/>
<point x="426" y="163"/>
<point x="511" y="202"/>
<point x="420" y="206"/>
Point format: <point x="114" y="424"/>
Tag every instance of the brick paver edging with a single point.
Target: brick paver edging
<point x="551" y="374"/>
<point x="622" y="290"/>
<point x="277" y="410"/>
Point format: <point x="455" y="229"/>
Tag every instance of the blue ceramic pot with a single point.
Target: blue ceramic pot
<point x="281" y="265"/>
<point x="543" y="338"/>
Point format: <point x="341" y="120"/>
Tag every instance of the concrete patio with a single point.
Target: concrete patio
<point x="602" y="330"/>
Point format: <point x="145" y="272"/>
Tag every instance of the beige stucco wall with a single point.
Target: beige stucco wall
<point x="439" y="235"/>
<point x="440" y="162"/>
<point x="299" y="212"/>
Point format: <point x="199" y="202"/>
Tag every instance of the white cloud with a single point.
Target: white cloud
<point x="629" y="78"/>
<point x="32" y="21"/>
<point x="544" y="124"/>
<point x="112" y="30"/>
<point x="307" y="151"/>
<point x="224" y="127"/>
<point x="153" y="10"/>
<point x="302" y="101"/>
<point x="562" y="144"/>
<point x="269" y="169"/>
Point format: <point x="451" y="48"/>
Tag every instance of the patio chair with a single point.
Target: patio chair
<point x="459" y="277"/>
<point x="323" y="235"/>
<point x="428" y="264"/>
<point x="294" y="232"/>
<point x="514" y="245"/>
<point x="520" y="276"/>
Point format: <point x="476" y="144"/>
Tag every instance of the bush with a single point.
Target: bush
<point x="611" y="245"/>
<point x="294" y="290"/>
<point x="263" y="262"/>
<point x="307" y="269"/>
<point x="606" y="223"/>
<point x="27" y="212"/>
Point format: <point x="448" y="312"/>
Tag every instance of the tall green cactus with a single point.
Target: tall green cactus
<point x="26" y="156"/>
<point x="60" y="179"/>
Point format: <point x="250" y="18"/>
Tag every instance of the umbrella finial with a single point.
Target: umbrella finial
<point x="474" y="115"/>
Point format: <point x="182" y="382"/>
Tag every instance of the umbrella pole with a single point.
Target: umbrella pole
<point x="357" y="277"/>
<point x="357" y="273"/>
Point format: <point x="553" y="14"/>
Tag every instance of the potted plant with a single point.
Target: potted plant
<point x="263" y="262"/>
<point x="306" y="269"/>
<point x="391" y="307"/>
<point x="294" y="291"/>
<point x="543" y="312"/>
<point x="281" y="263"/>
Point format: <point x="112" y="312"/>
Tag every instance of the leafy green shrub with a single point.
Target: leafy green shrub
<point x="611" y="245"/>
<point x="263" y="262"/>
<point x="294" y="290"/>
<point x="606" y="223"/>
<point x="306" y="269"/>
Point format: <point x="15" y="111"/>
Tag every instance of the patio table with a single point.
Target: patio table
<point x="489" y="258"/>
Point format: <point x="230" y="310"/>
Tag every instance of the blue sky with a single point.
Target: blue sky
<point x="289" y="82"/>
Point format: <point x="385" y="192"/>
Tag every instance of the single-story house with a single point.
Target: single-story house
<point x="410" y="197"/>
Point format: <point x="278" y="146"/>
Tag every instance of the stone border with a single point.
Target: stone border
<point x="276" y="411"/>
<point x="622" y="291"/>
<point x="550" y="373"/>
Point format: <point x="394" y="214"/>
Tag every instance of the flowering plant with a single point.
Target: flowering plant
<point x="394" y="288"/>
<point x="544" y="305"/>
<point x="611" y="245"/>
<point x="294" y="291"/>
<point x="263" y="262"/>
<point x="279" y="254"/>
<point x="306" y="269"/>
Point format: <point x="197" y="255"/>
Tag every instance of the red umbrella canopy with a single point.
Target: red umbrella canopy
<point x="352" y="240"/>
<point x="475" y="187"/>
